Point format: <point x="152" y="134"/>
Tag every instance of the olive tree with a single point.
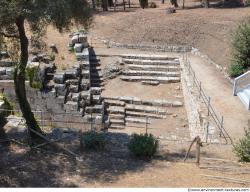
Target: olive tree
<point x="18" y="16"/>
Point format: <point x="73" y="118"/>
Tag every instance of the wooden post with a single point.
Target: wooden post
<point x="221" y="125"/>
<point x="124" y="5"/>
<point x="197" y="139"/>
<point x="115" y="5"/>
<point x="208" y="106"/>
<point x="198" y="145"/>
<point x="207" y="131"/>
<point x="200" y="90"/>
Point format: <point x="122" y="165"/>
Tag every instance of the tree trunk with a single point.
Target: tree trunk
<point x="110" y="3"/>
<point x="19" y="80"/>
<point x="105" y="5"/>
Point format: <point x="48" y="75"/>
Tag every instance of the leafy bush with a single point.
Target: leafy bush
<point x="32" y="75"/>
<point x="242" y="148"/>
<point x="143" y="145"/>
<point x="235" y="70"/>
<point x="93" y="140"/>
<point x="241" y="48"/>
<point x="152" y="5"/>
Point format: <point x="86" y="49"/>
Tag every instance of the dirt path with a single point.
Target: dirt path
<point x="221" y="92"/>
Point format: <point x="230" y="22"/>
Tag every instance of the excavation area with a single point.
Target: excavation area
<point x="143" y="93"/>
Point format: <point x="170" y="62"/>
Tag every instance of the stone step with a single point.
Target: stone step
<point x="101" y="85"/>
<point x="151" y="73"/>
<point x="117" y="116"/>
<point x="96" y="99"/>
<point x="154" y="67"/>
<point x="152" y="62"/>
<point x="6" y="63"/>
<point x="149" y="57"/>
<point x="94" y="109"/>
<point x="117" y="121"/>
<point x="95" y="80"/>
<point x="145" y="109"/>
<point x="71" y="106"/>
<point x="116" y="109"/>
<point x="153" y="83"/>
<point x="114" y="102"/>
<point x="116" y="126"/>
<point x="142" y="114"/>
<point x="96" y="75"/>
<point x="95" y="68"/>
<point x="136" y="120"/>
<point x="150" y="78"/>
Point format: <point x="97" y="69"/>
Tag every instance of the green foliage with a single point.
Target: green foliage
<point x="241" y="49"/>
<point x="93" y="140"/>
<point x="143" y="3"/>
<point x="143" y="145"/>
<point x="152" y="5"/>
<point x="8" y="106"/>
<point x="32" y="75"/>
<point x="242" y="148"/>
<point x="52" y="57"/>
<point x="235" y="70"/>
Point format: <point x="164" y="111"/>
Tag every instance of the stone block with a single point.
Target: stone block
<point x="71" y="106"/>
<point x="61" y="89"/>
<point x="74" y="39"/>
<point x="71" y="73"/>
<point x="59" y="77"/>
<point x="2" y="71"/>
<point x="75" y="97"/>
<point x="95" y="90"/>
<point x="78" y="47"/>
<point x="10" y="72"/>
<point x="74" y="88"/>
<point x="85" y="74"/>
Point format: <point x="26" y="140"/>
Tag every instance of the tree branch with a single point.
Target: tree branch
<point x="9" y="35"/>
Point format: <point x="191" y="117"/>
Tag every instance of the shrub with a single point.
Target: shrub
<point x="241" y="47"/>
<point x="242" y="148"/>
<point x="93" y="140"/>
<point x="235" y="70"/>
<point x="152" y="5"/>
<point x="143" y="145"/>
<point x="32" y="75"/>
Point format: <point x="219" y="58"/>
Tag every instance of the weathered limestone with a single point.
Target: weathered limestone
<point x="154" y="68"/>
<point x="149" y="57"/>
<point x="149" y="78"/>
<point x="151" y="73"/>
<point x="154" y="83"/>
<point x="59" y="77"/>
<point x="116" y="109"/>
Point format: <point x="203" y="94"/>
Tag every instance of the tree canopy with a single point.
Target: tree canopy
<point x="16" y="15"/>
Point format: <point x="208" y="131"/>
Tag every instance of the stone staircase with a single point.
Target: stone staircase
<point x="151" y="69"/>
<point x="132" y="111"/>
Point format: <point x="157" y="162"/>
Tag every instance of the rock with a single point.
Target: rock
<point x="78" y="47"/>
<point x="74" y="40"/>
<point x="174" y="115"/>
<point x="60" y="89"/>
<point x="59" y="77"/>
<point x="71" y="73"/>
<point x="95" y="90"/>
<point x="170" y="10"/>
<point x="2" y="71"/>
